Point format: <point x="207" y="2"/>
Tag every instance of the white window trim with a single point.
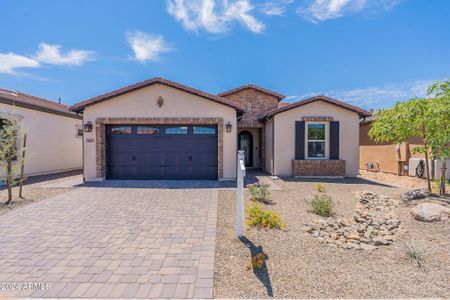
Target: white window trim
<point x="327" y="140"/>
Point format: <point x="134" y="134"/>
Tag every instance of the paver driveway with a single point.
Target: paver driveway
<point x="111" y="242"/>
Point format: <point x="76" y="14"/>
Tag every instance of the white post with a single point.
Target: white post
<point x="240" y="194"/>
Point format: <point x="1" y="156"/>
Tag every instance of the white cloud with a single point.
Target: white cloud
<point x="51" y="54"/>
<point x="321" y="10"/>
<point x="374" y="97"/>
<point x="9" y="62"/>
<point x="147" y="47"/>
<point x="214" y="16"/>
<point x="46" y="55"/>
<point x="275" y="7"/>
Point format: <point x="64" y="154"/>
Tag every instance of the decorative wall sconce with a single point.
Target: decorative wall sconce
<point x="228" y="126"/>
<point x="160" y="101"/>
<point x="88" y="127"/>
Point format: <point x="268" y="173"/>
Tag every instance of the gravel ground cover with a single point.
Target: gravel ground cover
<point x="392" y="179"/>
<point x="300" y="266"/>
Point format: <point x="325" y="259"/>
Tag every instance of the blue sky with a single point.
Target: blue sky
<point x="367" y="52"/>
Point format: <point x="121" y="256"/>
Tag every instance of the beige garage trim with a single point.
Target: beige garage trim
<point x="100" y="124"/>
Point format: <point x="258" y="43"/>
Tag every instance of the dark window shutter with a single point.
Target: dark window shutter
<point x="334" y="140"/>
<point x="299" y="140"/>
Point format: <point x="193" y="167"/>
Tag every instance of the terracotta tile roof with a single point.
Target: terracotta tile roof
<point x="32" y="102"/>
<point x="361" y="112"/>
<point x="255" y="87"/>
<point x="157" y="80"/>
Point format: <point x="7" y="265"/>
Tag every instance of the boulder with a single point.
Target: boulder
<point x="367" y="247"/>
<point x="415" y="194"/>
<point x="429" y="212"/>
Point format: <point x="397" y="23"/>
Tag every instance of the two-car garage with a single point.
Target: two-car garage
<point x="159" y="129"/>
<point x="161" y="152"/>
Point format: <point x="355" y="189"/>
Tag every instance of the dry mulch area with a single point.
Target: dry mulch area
<point x="300" y="266"/>
<point x="394" y="180"/>
<point x="30" y="196"/>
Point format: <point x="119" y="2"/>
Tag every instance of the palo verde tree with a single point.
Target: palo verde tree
<point x="438" y="120"/>
<point x="418" y="117"/>
<point x="10" y="162"/>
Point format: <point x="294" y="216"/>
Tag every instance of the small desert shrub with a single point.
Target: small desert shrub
<point x="257" y="261"/>
<point x="321" y="188"/>
<point x="257" y="216"/>
<point x="414" y="254"/>
<point x="259" y="191"/>
<point x="322" y="205"/>
<point x="436" y="186"/>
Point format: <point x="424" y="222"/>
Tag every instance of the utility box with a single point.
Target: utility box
<point x="435" y="169"/>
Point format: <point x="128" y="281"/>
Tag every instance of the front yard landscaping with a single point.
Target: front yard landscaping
<point x="371" y="246"/>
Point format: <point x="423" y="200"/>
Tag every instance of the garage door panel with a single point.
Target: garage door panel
<point x="161" y="156"/>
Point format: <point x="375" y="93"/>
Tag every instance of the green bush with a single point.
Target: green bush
<point x="259" y="217"/>
<point x="322" y="205"/>
<point x="260" y="192"/>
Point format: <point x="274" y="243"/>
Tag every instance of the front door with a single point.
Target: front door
<point x="246" y="144"/>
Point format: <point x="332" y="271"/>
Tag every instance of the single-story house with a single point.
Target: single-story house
<point x="159" y="129"/>
<point x="54" y="133"/>
<point x="398" y="159"/>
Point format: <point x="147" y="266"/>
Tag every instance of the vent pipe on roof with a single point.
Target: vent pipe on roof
<point x="59" y="100"/>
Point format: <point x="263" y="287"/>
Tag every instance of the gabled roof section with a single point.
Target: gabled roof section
<point x="157" y="80"/>
<point x="32" y="102"/>
<point x="361" y="112"/>
<point x="254" y="87"/>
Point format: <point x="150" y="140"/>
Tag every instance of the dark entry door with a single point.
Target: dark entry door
<point x="161" y="152"/>
<point x="246" y="143"/>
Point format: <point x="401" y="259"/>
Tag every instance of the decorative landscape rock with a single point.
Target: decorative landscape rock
<point x="372" y="224"/>
<point x="430" y="212"/>
<point x="415" y="195"/>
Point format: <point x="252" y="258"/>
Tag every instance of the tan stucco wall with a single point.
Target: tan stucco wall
<point x="386" y="155"/>
<point x="269" y="146"/>
<point x="285" y="135"/>
<point x="52" y="142"/>
<point x="177" y="104"/>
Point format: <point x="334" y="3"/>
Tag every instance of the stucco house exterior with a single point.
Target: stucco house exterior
<point x="160" y="129"/>
<point x="54" y="133"/>
<point x="398" y="159"/>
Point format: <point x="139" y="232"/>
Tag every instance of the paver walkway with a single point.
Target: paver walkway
<point x="111" y="242"/>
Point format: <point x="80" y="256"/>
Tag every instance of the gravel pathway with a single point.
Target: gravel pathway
<point x="299" y="266"/>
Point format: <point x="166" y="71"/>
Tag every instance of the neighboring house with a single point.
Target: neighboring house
<point x="159" y="129"/>
<point x="54" y="133"/>
<point x="398" y="159"/>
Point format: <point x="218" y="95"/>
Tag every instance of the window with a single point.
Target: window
<point x="316" y="140"/>
<point x="204" y="130"/>
<point x="176" y="130"/>
<point x="121" y="130"/>
<point x="147" y="130"/>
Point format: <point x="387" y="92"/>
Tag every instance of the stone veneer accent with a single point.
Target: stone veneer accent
<point x="100" y="133"/>
<point x="318" y="167"/>
<point x="259" y="102"/>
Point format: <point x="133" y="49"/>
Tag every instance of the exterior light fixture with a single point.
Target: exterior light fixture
<point x="160" y="101"/>
<point x="88" y="127"/>
<point x="228" y="127"/>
